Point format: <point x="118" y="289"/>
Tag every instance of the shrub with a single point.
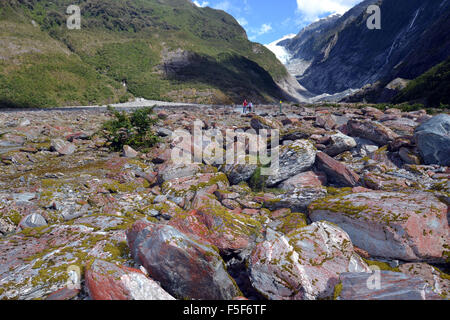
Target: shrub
<point x="133" y="129"/>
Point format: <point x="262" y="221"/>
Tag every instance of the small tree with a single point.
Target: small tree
<point x="133" y="129"/>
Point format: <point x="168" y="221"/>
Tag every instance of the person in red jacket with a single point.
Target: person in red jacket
<point x="245" y="104"/>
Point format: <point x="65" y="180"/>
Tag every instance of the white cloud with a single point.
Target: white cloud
<point x="242" y="21"/>
<point x="202" y="4"/>
<point x="265" y="28"/>
<point x="224" y="5"/>
<point x="312" y="9"/>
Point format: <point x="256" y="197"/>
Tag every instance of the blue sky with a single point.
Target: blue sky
<point x="268" y="20"/>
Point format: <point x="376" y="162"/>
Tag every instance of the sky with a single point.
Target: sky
<point x="269" y="20"/>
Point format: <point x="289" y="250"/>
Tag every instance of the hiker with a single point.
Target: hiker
<point x="250" y="106"/>
<point x="245" y="104"/>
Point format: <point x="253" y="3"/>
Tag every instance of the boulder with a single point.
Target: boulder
<point x="439" y="281"/>
<point x="214" y="224"/>
<point x="205" y="182"/>
<point x="395" y="225"/>
<point x="325" y="121"/>
<point x="408" y="156"/>
<point x="307" y="179"/>
<point x="33" y="220"/>
<point x="336" y="171"/>
<point x="380" y="181"/>
<point x="129" y="152"/>
<point x="186" y="268"/>
<point x="294" y="158"/>
<point x="297" y="199"/>
<point x="305" y="264"/>
<point x="176" y="171"/>
<point x="63" y="294"/>
<point x="401" y="126"/>
<point x="39" y="266"/>
<point x="392" y="286"/>
<point x="238" y="173"/>
<point x="64" y="148"/>
<point x="433" y="140"/>
<point x="339" y="143"/>
<point x="364" y="147"/>
<point x="259" y="123"/>
<point x="107" y="281"/>
<point x="371" y="130"/>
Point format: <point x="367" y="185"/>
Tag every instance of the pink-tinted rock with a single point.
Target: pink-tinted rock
<point x="216" y="225"/>
<point x="305" y="264"/>
<point x="280" y="213"/>
<point x="392" y="286"/>
<point x="63" y="147"/>
<point x="63" y="294"/>
<point x="434" y="277"/>
<point x="231" y="204"/>
<point x="129" y="152"/>
<point x="34" y="264"/>
<point x="77" y="136"/>
<point x="107" y="281"/>
<point x="401" y="126"/>
<point x="336" y="171"/>
<point x="186" y="268"/>
<point x="370" y="130"/>
<point x="304" y="180"/>
<point x="373" y="112"/>
<point x="379" y="181"/>
<point x="397" y="225"/>
<point x="325" y="121"/>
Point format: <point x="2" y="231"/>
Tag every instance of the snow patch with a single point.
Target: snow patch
<point x="280" y="52"/>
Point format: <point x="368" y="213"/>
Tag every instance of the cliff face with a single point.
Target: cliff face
<point x="342" y="53"/>
<point x="156" y="49"/>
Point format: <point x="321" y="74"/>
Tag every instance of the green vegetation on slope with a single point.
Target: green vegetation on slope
<point x="433" y="87"/>
<point x="131" y="42"/>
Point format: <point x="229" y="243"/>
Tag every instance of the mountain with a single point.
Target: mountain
<point x="156" y="49"/>
<point x="341" y="53"/>
<point x="432" y="88"/>
<point x="302" y="48"/>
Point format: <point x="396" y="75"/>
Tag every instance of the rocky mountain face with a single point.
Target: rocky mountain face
<point x="356" y="188"/>
<point x="156" y="49"/>
<point x="342" y="53"/>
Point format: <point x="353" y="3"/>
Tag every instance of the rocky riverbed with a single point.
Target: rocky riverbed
<point x="356" y="189"/>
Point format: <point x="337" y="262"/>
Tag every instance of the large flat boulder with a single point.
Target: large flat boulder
<point x="294" y="158"/>
<point x="185" y="267"/>
<point x="213" y="223"/>
<point x="433" y="140"/>
<point x="305" y="264"/>
<point x="371" y="130"/>
<point x="397" y="225"/>
<point x="392" y="286"/>
<point x="108" y="281"/>
<point x="339" y="143"/>
<point x="336" y="171"/>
